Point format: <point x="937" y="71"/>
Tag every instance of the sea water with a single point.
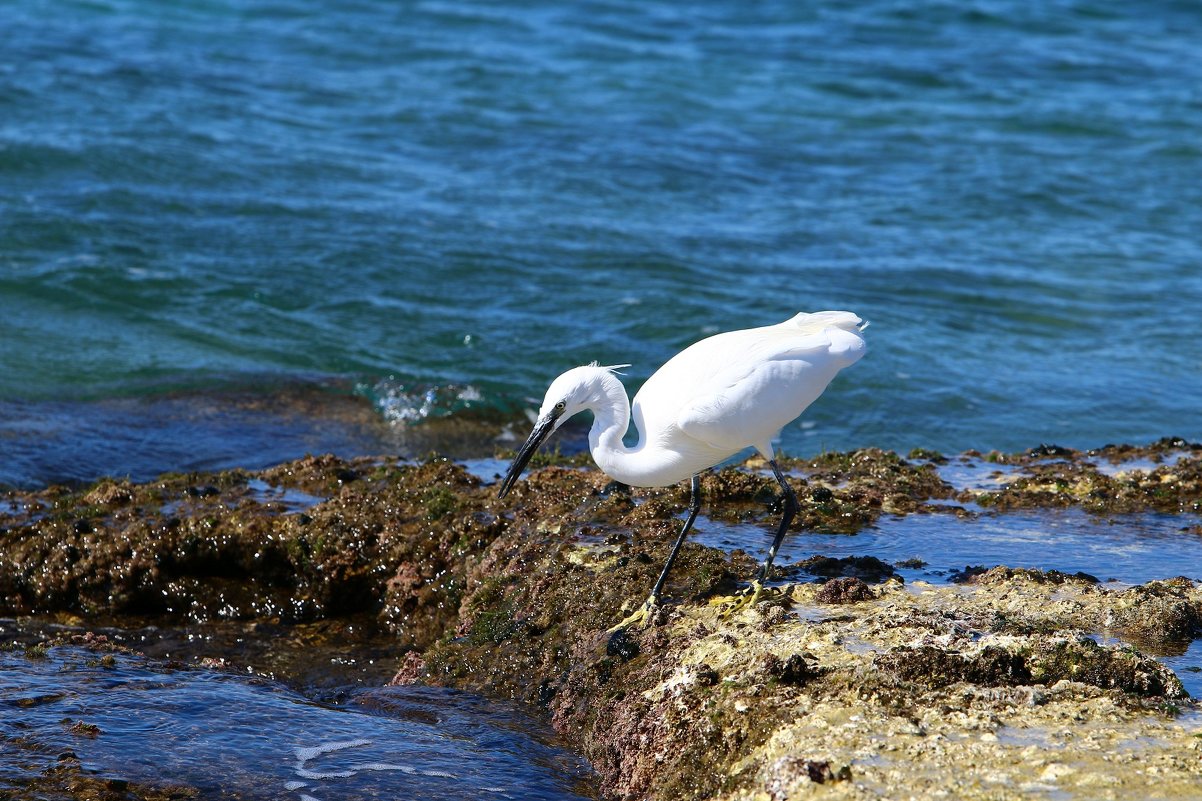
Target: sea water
<point x="431" y="209"/>
<point x="127" y="719"/>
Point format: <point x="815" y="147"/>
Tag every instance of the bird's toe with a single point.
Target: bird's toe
<point x="641" y="617"/>
<point x="747" y="598"/>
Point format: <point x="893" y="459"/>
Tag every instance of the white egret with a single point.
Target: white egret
<point x="715" y="398"/>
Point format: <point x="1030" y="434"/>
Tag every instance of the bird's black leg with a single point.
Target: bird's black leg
<point x="645" y="611"/>
<point x="792" y="507"/>
<point x="694" y="508"/>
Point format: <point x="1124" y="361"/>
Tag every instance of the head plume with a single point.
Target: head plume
<point x="612" y="368"/>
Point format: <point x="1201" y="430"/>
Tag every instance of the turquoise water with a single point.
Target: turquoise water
<point x="437" y="207"/>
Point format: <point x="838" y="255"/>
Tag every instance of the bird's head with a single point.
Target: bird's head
<point x="573" y="392"/>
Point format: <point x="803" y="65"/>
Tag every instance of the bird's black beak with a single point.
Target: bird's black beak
<point x="542" y="430"/>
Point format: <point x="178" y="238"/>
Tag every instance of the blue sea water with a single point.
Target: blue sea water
<point x="209" y="209"/>
<point x="225" y="736"/>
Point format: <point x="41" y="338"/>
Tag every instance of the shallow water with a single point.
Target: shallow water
<point x="436" y="208"/>
<point x="1131" y="549"/>
<point x="319" y="658"/>
<point x="226" y="425"/>
<point x="288" y="498"/>
<point x="1188" y="666"/>
<point x="233" y="736"/>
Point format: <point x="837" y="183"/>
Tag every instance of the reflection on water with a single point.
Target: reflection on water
<point x="1188" y="667"/>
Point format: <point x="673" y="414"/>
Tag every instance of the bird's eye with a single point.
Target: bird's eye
<point x="559" y="407"/>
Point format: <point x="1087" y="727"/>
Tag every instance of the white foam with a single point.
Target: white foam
<point x="303" y="755"/>
<point x="306" y="754"/>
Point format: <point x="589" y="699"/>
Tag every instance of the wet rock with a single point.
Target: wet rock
<point x="1083" y="660"/>
<point x="82" y="729"/>
<point x="1050" y="451"/>
<point x="512" y="599"/>
<point x="868" y="568"/>
<point x="991" y="666"/>
<point x="788" y="776"/>
<point x="622" y="645"/>
<point x="796" y="669"/>
<point x="110" y="493"/>
<point x="1002" y="574"/>
<point x="413" y="666"/>
<point x="845" y="590"/>
<point x="968" y="574"/>
<point x="876" y="473"/>
<point x="1158" y="612"/>
<point x="1071" y="479"/>
<point x="216" y="556"/>
<point x="727" y="486"/>
<point x="1039" y="661"/>
<point x="926" y="455"/>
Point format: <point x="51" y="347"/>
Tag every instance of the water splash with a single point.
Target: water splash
<point x="401" y="403"/>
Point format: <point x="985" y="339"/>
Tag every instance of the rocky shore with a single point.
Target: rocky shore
<point x="1004" y="682"/>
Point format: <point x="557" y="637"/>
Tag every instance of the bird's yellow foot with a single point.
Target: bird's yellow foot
<point x="748" y="598"/>
<point x="641" y="616"/>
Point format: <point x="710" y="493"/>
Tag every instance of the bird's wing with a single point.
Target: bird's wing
<point x="755" y="385"/>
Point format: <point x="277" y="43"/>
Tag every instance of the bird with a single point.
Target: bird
<point x="716" y="398"/>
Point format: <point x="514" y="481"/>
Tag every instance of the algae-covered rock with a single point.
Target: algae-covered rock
<point x="1159" y="611"/>
<point x="991" y="666"/>
<point x="844" y="590"/>
<point x="1034" y="661"/>
<point x="866" y="568"/>
<point x="1165" y="476"/>
<point x="850" y="684"/>
<point x="1083" y="660"/>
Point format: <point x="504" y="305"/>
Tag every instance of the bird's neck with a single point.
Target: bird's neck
<point x="611" y="419"/>
<point x="647" y="464"/>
